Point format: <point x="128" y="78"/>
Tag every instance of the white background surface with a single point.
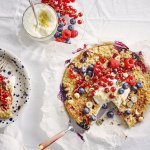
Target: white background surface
<point x="126" y="20"/>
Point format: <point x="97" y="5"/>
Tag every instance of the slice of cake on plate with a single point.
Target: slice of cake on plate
<point x="6" y="96"/>
<point x="106" y="73"/>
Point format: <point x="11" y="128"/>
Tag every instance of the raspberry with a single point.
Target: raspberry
<point x="66" y="34"/>
<point x="60" y="39"/>
<point x="74" y="33"/>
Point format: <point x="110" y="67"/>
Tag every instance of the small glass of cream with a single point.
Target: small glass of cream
<point x="47" y="22"/>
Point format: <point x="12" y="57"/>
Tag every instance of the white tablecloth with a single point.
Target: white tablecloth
<point x="127" y="20"/>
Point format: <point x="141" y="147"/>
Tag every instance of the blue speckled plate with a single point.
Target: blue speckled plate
<point x="13" y="66"/>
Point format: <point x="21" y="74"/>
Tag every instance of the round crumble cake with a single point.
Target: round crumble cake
<point x="106" y="73"/>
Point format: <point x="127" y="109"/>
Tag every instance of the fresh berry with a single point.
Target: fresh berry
<point x="86" y="110"/>
<point x="72" y="21"/>
<point x="66" y="34"/>
<point x="110" y="83"/>
<point x="81" y="90"/>
<point x="114" y="63"/>
<point x="90" y="67"/>
<point x="60" y="39"/>
<point x="96" y="87"/>
<point x="113" y="89"/>
<point x="105" y="106"/>
<point x="58" y="15"/>
<point x="131" y="80"/>
<point x="61" y="24"/>
<point x="80" y="14"/>
<point x="92" y="117"/>
<point x="121" y="91"/>
<point x="139" y="85"/>
<point x="79" y="21"/>
<point x="134" y="88"/>
<point x="127" y="112"/>
<point x="111" y="96"/>
<point x="59" y="29"/>
<point x="89" y="73"/>
<point x="125" y="85"/>
<point x="57" y="34"/>
<point x="115" y="70"/>
<point x="82" y="60"/>
<point x="106" y="90"/>
<point x="110" y="114"/>
<point x="102" y="60"/>
<point x="70" y="27"/>
<point x="74" y="33"/>
<point x="129" y="63"/>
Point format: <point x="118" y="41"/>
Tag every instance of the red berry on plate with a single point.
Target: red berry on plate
<point x="111" y="96"/>
<point x="114" y="63"/>
<point x="60" y="39"/>
<point x="131" y="80"/>
<point x="79" y="21"/>
<point x="74" y="33"/>
<point x="113" y="89"/>
<point x="80" y="14"/>
<point x="129" y="63"/>
<point x="96" y="87"/>
<point x="45" y="1"/>
<point x="102" y="60"/>
<point x="110" y="83"/>
<point x="66" y="33"/>
<point x="106" y="90"/>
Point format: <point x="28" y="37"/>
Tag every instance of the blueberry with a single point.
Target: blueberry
<point x="121" y="91"/>
<point x="86" y="110"/>
<point x="68" y="41"/>
<point x="90" y="67"/>
<point x="89" y="73"/>
<point x="104" y="106"/>
<point x="58" y="15"/>
<point x="115" y="70"/>
<point x="92" y="117"/>
<point x="59" y="28"/>
<point x="81" y="90"/>
<point x="57" y="34"/>
<point x="110" y="114"/>
<point x="71" y="27"/>
<point x="125" y="86"/>
<point x="139" y="85"/>
<point x="61" y="24"/>
<point x="83" y="70"/>
<point x="134" y="88"/>
<point x="72" y="21"/>
<point x="127" y="112"/>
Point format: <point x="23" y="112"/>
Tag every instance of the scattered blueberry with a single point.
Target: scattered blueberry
<point x="72" y="21"/>
<point x="139" y="85"/>
<point x="110" y="114"/>
<point x="89" y="73"/>
<point x="57" y="34"/>
<point x="68" y="41"/>
<point x="121" y="91"/>
<point x="59" y="28"/>
<point x="71" y="27"/>
<point x="115" y="70"/>
<point x="134" y="88"/>
<point x="81" y="90"/>
<point x="86" y="110"/>
<point x="92" y="117"/>
<point x="61" y="24"/>
<point x="90" y="67"/>
<point x="125" y="85"/>
<point x="83" y="70"/>
<point x="127" y="112"/>
<point x="104" y="106"/>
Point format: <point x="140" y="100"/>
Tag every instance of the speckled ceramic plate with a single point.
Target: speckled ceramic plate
<point x="13" y="66"/>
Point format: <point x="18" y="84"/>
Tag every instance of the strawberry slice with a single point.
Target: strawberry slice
<point x="114" y="63"/>
<point x="129" y="63"/>
<point x="131" y="80"/>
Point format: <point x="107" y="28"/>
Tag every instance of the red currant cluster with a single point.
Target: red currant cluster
<point x="64" y="9"/>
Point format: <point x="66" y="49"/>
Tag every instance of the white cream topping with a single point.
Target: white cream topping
<point x="100" y="97"/>
<point x="29" y="21"/>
